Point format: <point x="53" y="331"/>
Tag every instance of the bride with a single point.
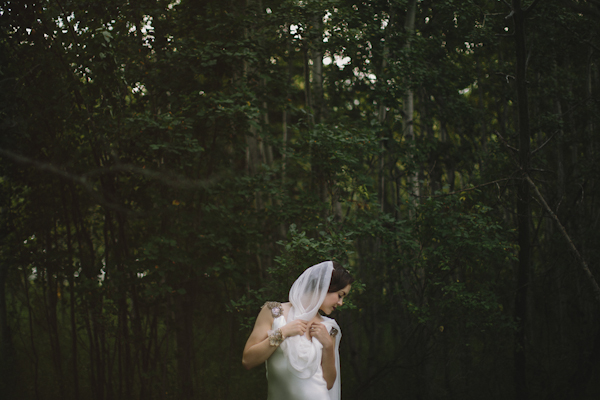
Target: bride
<point x="300" y="346"/>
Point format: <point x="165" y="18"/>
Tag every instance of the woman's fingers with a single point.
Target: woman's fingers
<point x="299" y="327"/>
<point x="317" y="325"/>
<point x="317" y="329"/>
<point x="294" y="328"/>
<point x="303" y="326"/>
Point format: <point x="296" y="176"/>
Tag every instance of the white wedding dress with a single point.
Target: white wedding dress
<point x="286" y="385"/>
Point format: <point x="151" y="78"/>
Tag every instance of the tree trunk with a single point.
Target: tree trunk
<point x="523" y="207"/>
<point x="7" y="351"/>
<point x="409" y="107"/>
<point x="71" y="280"/>
<point x="51" y="289"/>
<point x="31" y="335"/>
<point x="317" y="69"/>
<point x="184" y="334"/>
<point x="382" y="114"/>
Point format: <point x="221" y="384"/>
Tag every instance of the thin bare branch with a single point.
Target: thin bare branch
<point x="532" y="6"/>
<point x="463" y="190"/>
<point x="507" y="76"/>
<point x="432" y="167"/>
<point x="506" y="143"/>
<point x="166" y="178"/>
<point x="85" y="180"/>
<point x="543" y="144"/>
<point x="584" y="10"/>
<point x="575" y="33"/>
<point x="566" y="236"/>
<point x="80" y="180"/>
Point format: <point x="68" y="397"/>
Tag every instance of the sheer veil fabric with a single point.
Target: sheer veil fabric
<point x="306" y="295"/>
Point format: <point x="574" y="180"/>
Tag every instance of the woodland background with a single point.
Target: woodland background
<point x="168" y="166"/>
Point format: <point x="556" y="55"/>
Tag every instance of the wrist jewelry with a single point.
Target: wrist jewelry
<point x="275" y="337"/>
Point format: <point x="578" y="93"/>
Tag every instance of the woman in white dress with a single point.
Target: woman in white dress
<point x="300" y="346"/>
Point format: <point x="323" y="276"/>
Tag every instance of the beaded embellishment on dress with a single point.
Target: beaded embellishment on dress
<point x="275" y="307"/>
<point x="333" y="332"/>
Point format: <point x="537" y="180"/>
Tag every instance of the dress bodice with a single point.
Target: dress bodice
<point x="285" y="385"/>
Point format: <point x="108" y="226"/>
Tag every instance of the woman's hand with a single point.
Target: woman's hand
<point x="320" y="332"/>
<point x="296" y="327"/>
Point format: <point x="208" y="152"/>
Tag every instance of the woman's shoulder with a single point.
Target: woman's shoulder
<point x="277" y="309"/>
<point x="327" y="319"/>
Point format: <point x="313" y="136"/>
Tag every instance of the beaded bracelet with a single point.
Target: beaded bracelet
<point x="275" y="337"/>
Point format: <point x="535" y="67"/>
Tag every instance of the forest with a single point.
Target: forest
<point x="168" y="166"/>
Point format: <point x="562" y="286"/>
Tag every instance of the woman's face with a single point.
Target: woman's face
<point x="334" y="299"/>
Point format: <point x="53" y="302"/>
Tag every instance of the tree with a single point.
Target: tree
<point x="166" y="167"/>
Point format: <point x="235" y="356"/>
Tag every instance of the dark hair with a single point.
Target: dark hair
<point x="340" y="278"/>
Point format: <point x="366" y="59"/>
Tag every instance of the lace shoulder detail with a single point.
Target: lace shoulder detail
<point x="275" y="307"/>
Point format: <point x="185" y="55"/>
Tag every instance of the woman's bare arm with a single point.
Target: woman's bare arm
<point x="258" y="349"/>
<point x="328" y="364"/>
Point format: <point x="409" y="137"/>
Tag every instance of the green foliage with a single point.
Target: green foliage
<point x="168" y="166"/>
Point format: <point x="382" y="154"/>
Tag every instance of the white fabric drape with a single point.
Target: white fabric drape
<point x="306" y="295"/>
